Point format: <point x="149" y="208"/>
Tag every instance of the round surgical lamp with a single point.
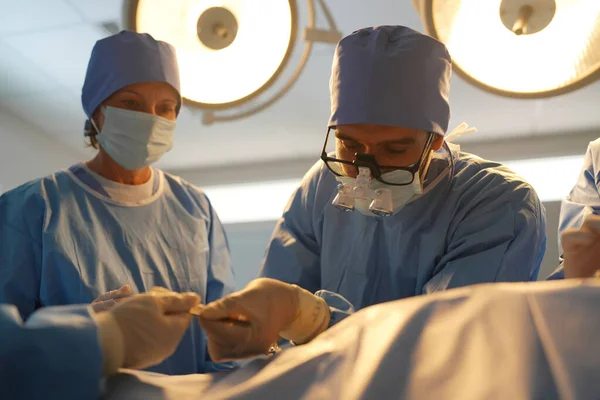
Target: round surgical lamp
<point x="230" y="52"/>
<point x="519" y="48"/>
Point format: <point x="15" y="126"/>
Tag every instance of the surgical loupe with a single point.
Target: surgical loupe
<point x="381" y="199"/>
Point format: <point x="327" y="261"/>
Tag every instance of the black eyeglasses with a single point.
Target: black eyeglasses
<point x="388" y="174"/>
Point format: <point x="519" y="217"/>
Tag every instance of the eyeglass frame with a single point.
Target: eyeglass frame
<point x="368" y="160"/>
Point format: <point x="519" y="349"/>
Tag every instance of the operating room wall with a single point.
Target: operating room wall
<point x="27" y="153"/>
<point x="248" y="243"/>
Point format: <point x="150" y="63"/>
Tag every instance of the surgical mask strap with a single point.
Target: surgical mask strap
<point x="451" y="155"/>
<point x="93" y="123"/>
<point x="460" y="131"/>
<point x="425" y="160"/>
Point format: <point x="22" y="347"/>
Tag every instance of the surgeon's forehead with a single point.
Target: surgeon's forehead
<point x="157" y="89"/>
<point x="371" y="132"/>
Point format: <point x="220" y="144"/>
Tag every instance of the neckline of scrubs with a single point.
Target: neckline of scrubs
<point x="87" y="182"/>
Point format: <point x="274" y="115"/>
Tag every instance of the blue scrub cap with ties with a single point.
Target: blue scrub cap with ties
<point x="124" y="59"/>
<point x="391" y="75"/>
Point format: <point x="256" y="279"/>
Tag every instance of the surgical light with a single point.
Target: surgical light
<point x="519" y="48"/>
<point x="229" y="51"/>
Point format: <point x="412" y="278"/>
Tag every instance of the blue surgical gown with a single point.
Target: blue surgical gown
<point x="55" y="354"/>
<point x="583" y="200"/>
<point x="63" y="241"/>
<point x="476" y="222"/>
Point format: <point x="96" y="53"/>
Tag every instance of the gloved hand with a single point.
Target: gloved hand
<point x="581" y="249"/>
<point x="110" y="299"/>
<point x="247" y="323"/>
<point x="144" y="330"/>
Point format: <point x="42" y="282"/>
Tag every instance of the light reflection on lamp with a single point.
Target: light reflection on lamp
<point x="255" y="41"/>
<point x="519" y="48"/>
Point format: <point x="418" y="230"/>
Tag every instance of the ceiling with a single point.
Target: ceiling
<point x="45" y="46"/>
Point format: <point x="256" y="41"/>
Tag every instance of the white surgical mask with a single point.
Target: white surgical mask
<point x="135" y="139"/>
<point x="401" y="195"/>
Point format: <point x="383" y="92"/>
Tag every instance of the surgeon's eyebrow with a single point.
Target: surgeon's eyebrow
<point x="165" y="99"/>
<point x="129" y="92"/>
<point x="341" y="136"/>
<point x="407" y="141"/>
<point x="402" y="142"/>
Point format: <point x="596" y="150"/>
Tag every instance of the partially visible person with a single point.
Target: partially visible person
<point x="61" y="352"/>
<point x="112" y="226"/>
<point x="583" y="201"/>
<point x="581" y="249"/>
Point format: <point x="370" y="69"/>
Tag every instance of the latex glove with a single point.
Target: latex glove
<point x="144" y="330"/>
<point x="247" y="323"/>
<point x="581" y="249"/>
<point x="110" y="299"/>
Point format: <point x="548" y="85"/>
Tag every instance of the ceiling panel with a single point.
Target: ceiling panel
<point x="19" y="76"/>
<point x="22" y="16"/>
<point x="497" y="117"/>
<point x="61" y="53"/>
<point x="573" y="111"/>
<point x="98" y="11"/>
<point x="492" y="115"/>
<point x="351" y="15"/>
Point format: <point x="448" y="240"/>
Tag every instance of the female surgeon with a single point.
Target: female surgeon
<point x="113" y="226"/>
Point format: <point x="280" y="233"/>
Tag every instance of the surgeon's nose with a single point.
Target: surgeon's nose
<point x="352" y="172"/>
<point x="149" y="109"/>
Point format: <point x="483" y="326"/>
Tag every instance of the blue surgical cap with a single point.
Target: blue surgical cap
<point x="391" y="75"/>
<point x="124" y="59"/>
